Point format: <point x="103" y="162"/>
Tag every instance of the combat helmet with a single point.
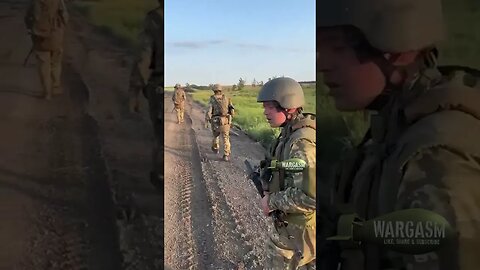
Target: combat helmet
<point x="286" y="91"/>
<point x="390" y="26"/>
<point x="177" y="86"/>
<point x="217" y="88"/>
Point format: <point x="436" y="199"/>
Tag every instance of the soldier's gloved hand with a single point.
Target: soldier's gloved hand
<point x="134" y="105"/>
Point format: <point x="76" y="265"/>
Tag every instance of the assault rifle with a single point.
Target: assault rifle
<point x="261" y="179"/>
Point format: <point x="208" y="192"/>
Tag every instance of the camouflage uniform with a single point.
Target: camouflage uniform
<point x="46" y="21"/>
<point x="179" y="99"/>
<point x="219" y="114"/>
<point x="421" y="151"/>
<point x="292" y="193"/>
<point x="149" y="64"/>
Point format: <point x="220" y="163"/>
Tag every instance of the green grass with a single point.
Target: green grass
<point x="123" y="19"/>
<point x="462" y="43"/>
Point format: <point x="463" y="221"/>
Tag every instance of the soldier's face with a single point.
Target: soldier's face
<point x="274" y="115"/>
<point x="353" y="84"/>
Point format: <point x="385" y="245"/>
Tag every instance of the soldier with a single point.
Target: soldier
<point x="219" y="115"/>
<point x="293" y="194"/>
<point x="179" y="99"/>
<point x="147" y="76"/>
<point x="422" y="148"/>
<point x="46" y="21"/>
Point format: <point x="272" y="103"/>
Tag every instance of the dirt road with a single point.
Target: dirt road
<point x="74" y="189"/>
<point x="213" y="219"/>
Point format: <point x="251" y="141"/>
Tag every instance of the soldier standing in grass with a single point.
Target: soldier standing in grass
<point x="179" y="99"/>
<point x="292" y="242"/>
<point x="219" y="113"/>
<point x="46" y="21"/>
<point x="147" y="76"/>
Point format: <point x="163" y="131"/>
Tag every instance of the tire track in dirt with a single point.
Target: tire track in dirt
<point x="190" y="237"/>
<point x="222" y="237"/>
<point x="201" y="207"/>
<point x="228" y="221"/>
<point x="228" y="227"/>
<point x="237" y="192"/>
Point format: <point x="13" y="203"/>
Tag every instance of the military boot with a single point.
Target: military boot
<point x="216" y="151"/>
<point x="226" y="158"/>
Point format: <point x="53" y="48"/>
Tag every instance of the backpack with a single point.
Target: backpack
<point x="178" y="96"/>
<point x="45" y="17"/>
<point x="220" y="106"/>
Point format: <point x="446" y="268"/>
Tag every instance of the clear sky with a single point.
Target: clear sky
<point x="219" y="41"/>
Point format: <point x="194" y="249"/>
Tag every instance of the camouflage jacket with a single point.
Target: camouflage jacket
<point x="296" y="195"/>
<point x="149" y="55"/>
<point x="179" y="96"/>
<point x="46" y="20"/>
<point x="217" y="104"/>
<point x="421" y="151"/>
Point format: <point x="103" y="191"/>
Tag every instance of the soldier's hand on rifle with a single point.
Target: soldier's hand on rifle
<point x="264" y="203"/>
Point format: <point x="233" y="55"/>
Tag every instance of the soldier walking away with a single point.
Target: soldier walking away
<point x="219" y="114"/>
<point x="422" y="148"/>
<point x="46" y="21"/>
<point x="179" y="99"/>
<point x="147" y="76"/>
<point x="290" y="196"/>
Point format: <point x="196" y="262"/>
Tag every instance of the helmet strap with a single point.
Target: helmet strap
<point x="408" y="74"/>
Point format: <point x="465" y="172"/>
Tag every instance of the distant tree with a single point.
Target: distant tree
<point x="254" y="83"/>
<point x="260" y="83"/>
<point x="234" y="87"/>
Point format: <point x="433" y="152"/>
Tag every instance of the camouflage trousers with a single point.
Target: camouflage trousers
<point x="50" y="69"/>
<point x="154" y="93"/>
<point x="280" y="249"/>
<point x="225" y="132"/>
<point x="180" y="109"/>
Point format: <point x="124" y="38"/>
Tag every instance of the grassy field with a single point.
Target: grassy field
<point x="123" y="19"/>
<point x="462" y="44"/>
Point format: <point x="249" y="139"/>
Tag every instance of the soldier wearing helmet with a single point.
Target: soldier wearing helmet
<point x="46" y="22"/>
<point x="147" y="76"/>
<point x="292" y="194"/>
<point x="422" y="148"/>
<point x="179" y="98"/>
<point x="219" y="114"/>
